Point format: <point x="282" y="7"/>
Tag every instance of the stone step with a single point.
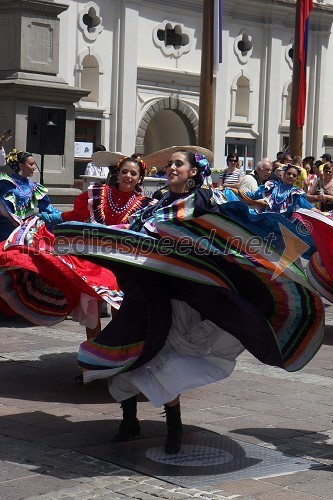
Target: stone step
<point x="63" y="195"/>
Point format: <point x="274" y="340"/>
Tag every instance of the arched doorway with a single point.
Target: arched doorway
<point x="167" y="122"/>
<point x="167" y="128"/>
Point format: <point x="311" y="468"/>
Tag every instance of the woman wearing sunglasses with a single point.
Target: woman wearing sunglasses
<point x="232" y="175"/>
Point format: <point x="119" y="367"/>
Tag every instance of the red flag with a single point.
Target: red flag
<point x="305" y="7"/>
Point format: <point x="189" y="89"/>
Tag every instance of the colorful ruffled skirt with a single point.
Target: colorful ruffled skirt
<point x="44" y="288"/>
<point x="220" y="268"/>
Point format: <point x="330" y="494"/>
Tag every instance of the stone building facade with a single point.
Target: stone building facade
<point x="128" y="75"/>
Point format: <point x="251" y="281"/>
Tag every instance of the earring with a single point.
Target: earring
<point x="190" y="183"/>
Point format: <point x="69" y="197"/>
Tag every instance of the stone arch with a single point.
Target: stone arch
<point x="164" y="103"/>
<point x="286" y="102"/>
<point x="98" y="76"/>
<point x="242" y="76"/>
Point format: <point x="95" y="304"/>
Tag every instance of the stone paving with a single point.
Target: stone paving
<point x="48" y="422"/>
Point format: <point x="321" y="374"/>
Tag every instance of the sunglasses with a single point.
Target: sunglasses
<point x="232" y="160"/>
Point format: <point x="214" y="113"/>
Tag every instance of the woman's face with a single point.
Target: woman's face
<point x="232" y="162"/>
<point x="28" y="167"/>
<point x="290" y="176"/>
<point x="128" y="176"/>
<point x="178" y="171"/>
<point x="307" y="167"/>
<point x="328" y="174"/>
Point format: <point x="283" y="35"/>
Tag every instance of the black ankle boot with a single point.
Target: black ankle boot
<point x="129" y="428"/>
<point x="175" y="429"/>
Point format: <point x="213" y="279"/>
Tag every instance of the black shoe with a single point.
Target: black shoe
<point x="79" y="379"/>
<point x="175" y="429"/>
<point x="128" y="431"/>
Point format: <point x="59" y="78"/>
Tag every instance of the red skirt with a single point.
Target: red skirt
<point x="45" y="288"/>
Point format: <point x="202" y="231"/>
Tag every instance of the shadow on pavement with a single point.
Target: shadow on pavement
<point x="49" y="378"/>
<point x="294" y="442"/>
<point x="55" y="445"/>
<point x="328" y="339"/>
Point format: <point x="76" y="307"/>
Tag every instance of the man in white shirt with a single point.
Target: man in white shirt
<point x="97" y="170"/>
<point x="259" y="176"/>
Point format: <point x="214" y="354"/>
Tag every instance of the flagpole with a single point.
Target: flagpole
<point x="295" y="132"/>
<point x="205" y="128"/>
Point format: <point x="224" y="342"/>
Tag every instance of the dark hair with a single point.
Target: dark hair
<point x="135" y="156"/>
<point x="142" y="168"/>
<point x="285" y="157"/>
<point x="17" y="158"/>
<point x="295" y="167"/>
<point x="233" y="155"/>
<point x="327" y="165"/>
<point x="23" y="155"/>
<point x="99" y="147"/>
<point x="198" y="161"/>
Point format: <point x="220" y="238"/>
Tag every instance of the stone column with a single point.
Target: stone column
<point x="29" y="66"/>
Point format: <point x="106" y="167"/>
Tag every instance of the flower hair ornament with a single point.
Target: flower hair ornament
<point x="12" y="160"/>
<point x="203" y="166"/>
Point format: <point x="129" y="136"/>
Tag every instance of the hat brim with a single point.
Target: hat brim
<point x="160" y="158"/>
<point x="106" y="158"/>
<point x="309" y="159"/>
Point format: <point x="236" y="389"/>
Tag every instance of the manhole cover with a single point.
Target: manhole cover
<point x="190" y="456"/>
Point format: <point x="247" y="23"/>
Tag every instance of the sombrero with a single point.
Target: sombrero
<point x="106" y="158"/>
<point x="160" y="158"/>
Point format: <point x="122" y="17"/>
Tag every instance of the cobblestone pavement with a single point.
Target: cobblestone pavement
<point x="55" y="433"/>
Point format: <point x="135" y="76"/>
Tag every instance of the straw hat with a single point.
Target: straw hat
<point x="106" y="158"/>
<point x="161" y="158"/>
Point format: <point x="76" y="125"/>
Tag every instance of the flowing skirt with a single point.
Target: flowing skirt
<point x="44" y="288"/>
<point x="196" y="353"/>
<point x="320" y="266"/>
<point x="210" y="262"/>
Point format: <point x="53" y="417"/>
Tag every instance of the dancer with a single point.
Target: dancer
<point x="27" y="257"/>
<point x="19" y="195"/>
<point x="280" y="197"/>
<point x="105" y="204"/>
<point x="194" y="297"/>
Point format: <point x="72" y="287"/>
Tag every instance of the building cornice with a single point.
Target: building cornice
<point x="168" y="77"/>
<point x="43" y="6"/>
<point x="27" y="90"/>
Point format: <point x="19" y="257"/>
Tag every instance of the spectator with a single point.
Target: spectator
<point x="326" y="158"/>
<point x="232" y="175"/>
<point x="301" y="181"/>
<point x="93" y="168"/>
<point x="5" y="136"/>
<point x="259" y="176"/>
<point x="161" y="173"/>
<point x="308" y="165"/>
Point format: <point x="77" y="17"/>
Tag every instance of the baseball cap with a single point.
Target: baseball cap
<point x="326" y="156"/>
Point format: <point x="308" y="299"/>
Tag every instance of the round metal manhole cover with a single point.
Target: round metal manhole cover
<point x="190" y="456"/>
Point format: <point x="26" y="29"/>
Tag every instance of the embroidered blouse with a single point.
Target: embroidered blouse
<point x="19" y="196"/>
<point x="280" y="198"/>
<point x="105" y="205"/>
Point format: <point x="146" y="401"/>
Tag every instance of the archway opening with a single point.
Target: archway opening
<point x="168" y="128"/>
<point x="90" y="78"/>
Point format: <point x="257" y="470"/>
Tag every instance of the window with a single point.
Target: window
<point x="172" y="39"/>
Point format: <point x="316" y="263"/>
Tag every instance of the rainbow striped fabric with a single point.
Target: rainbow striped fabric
<point x="215" y="254"/>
